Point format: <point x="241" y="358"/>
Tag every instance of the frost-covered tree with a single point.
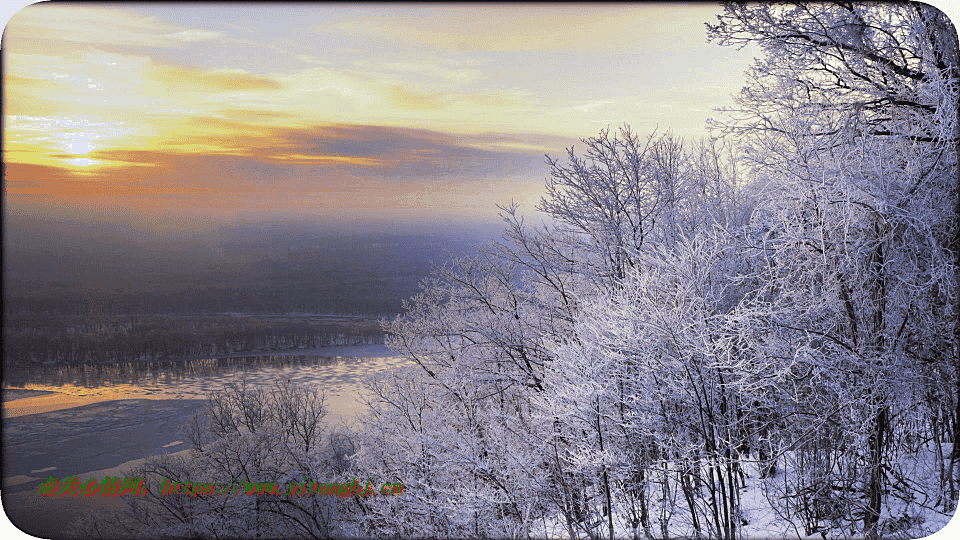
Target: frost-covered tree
<point x="489" y="335"/>
<point x="853" y="113"/>
<point x="612" y="197"/>
<point x="247" y="436"/>
<point x="645" y="380"/>
<point x="691" y="314"/>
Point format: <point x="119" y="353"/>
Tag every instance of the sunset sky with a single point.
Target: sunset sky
<point x="408" y="112"/>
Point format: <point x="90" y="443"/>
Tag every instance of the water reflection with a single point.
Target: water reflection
<point x="195" y="378"/>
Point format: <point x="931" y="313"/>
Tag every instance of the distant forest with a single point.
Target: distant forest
<point x="73" y="340"/>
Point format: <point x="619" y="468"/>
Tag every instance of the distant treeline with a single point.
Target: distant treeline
<point x="360" y="297"/>
<point x="30" y="339"/>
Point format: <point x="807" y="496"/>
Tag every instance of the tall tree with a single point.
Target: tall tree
<point x="854" y="109"/>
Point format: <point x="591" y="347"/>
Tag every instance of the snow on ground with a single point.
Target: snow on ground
<point x="918" y="519"/>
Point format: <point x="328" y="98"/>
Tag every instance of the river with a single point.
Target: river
<point x="95" y="421"/>
<point x="339" y="371"/>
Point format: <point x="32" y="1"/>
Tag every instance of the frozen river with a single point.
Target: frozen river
<point x="337" y="370"/>
<point x="96" y="421"/>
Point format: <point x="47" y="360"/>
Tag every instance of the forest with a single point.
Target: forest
<point x="749" y="335"/>
<point x="103" y="340"/>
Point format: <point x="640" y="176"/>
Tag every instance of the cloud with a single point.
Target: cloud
<point x="313" y="59"/>
<point x="449" y="72"/>
<point x="400" y="97"/>
<point x="412" y="100"/>
<point x="25" y="95"/>
<point x="255" y="114"/>
<point x="533" y="143"/>
<point x="380" y="95"/>
<point x="135" y="88"/>
<point x="95" y="25"/>
<point x="401" y="152"/>
<point x="527" y="27"/>
<point x="186" y="79"/>
<point x="335" y="157"/>
<point x="47" y="97"/>
<point x="364" y="171"/>
<point x="192" y="36"/>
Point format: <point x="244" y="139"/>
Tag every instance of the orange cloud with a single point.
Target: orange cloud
<point x="365" y="169"/>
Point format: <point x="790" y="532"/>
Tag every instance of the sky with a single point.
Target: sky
<point x="392" y="112"/>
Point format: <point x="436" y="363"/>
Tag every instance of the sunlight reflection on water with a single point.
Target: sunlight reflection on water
<point x="339" y="376"/>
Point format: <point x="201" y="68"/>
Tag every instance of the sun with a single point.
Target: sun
<point x="80" y="144"/>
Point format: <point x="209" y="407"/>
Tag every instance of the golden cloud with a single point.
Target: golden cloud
<point x="416" y="101"/>
<point x="213" y="80"/>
